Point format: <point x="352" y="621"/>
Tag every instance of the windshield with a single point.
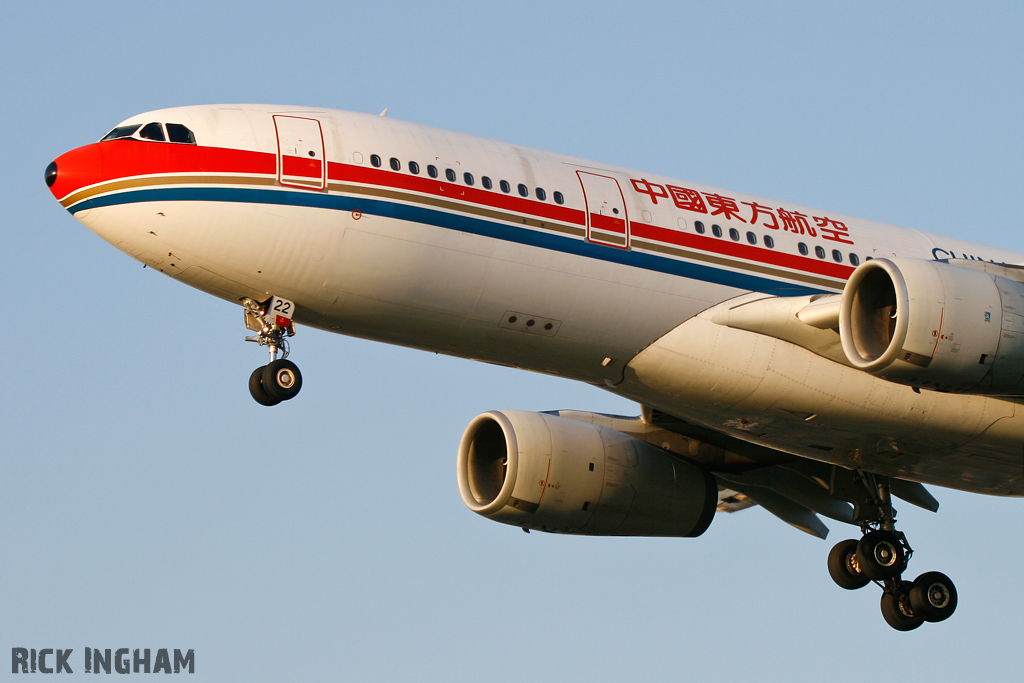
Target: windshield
<point x="179" y="133"/>
<point x="120" y="132"/>
<point x="152" y="131"/>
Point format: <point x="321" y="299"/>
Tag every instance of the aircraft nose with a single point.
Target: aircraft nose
<point x="74" y="170"/>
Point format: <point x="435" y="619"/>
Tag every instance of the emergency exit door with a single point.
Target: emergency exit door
<point x="607" y="222"/>
<point x="300" y="152"/>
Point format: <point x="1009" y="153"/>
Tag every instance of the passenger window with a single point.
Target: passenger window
<point x="468" y="177"/>
<point x="837" y="256"/>
<point x="121" y="132"/>
<point x="375" y="160"/>
<point x="505" y="187"/>
<point x="752" y="238"/>
<point x="179" y="133"/>
<point x="716" y="230"/>
<point x="541" y="194"/>
<point x="396" y="165"/>
<point x="414" y="168"/>
<point x="803" y="248"/>
<point x="769" y="242"/>
<point x="734" y="234"/>
<point x="524" y="191"/>
<point x="819" y="252"/>
<point x="449" y="174"/>
<point x="854" y="260"/>
<point x="559" y="199"/>
<point x="432" y="170"/>
<point x="699" y="227"/>
<point x="152" y="131"/>
<point x="486" y="182"/>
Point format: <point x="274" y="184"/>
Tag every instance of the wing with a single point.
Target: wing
<point x="797" y="490"/>
<point x="772" y="374"/>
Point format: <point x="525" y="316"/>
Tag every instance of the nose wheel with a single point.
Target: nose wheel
<point x="280" y="379"/>
<point x="881" y="556"/>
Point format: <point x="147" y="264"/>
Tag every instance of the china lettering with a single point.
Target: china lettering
<point x="728" y="209"/>
<point x="49" y="660"/>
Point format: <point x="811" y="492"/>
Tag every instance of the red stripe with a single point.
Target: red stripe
<point x="607" y="223"/>
<point x="744" y="251"/>
<point x="441" y="188"/>
<point x="105" y="161"/>
<point x="115" y="159"/>
<point x="300" y="167"/>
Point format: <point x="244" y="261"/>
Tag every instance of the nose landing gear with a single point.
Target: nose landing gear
<point x="881" y="555"/>
<point x="279" y="380"/>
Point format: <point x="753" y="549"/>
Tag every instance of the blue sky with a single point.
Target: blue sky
<point x="149" y="502"/>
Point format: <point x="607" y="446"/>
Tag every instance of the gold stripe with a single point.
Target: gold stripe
<point x="718" y="261"/>
<point x="82" y="195"/>
<point x="332" y="187"/>
<point x="448" y="206"/>
<point x="302" y="182"/>
<point x="607" y="237"/>
<point x="454" y="206"/>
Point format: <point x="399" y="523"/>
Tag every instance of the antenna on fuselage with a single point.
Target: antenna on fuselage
<point x="385" y="112"/>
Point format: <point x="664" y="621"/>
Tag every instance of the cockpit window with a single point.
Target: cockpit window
<point x="152" y="131"/>
<point x="179" y="133"/>
<point x="121" y="132"/>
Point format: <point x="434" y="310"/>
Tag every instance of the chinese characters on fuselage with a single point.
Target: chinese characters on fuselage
<point x="712" y="204"/>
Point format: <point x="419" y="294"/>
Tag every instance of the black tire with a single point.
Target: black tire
<point x="256" y="388"/>
<point x="897" y="610"/>
<point x="880" y="555"/>
<point x="282" y="380"/>
<point x="933" y="596"/>
<point x="844" y="568"/>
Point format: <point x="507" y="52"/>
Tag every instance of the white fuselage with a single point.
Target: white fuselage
<point x="601" y="276"/>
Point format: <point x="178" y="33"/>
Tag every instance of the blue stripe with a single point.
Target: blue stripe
<point x="470" y="224"/>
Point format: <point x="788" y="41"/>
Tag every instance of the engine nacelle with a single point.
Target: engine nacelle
<point x="550" y="473"/>
<point x="935" y="325"/>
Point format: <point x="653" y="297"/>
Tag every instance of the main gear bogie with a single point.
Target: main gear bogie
<point x="881" y="555"/>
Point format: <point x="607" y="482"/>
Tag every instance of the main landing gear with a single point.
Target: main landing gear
<point x="279" y="380"/>
<point x="881" y="555"/>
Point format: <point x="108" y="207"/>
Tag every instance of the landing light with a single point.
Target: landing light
<point x="51" y="174"/>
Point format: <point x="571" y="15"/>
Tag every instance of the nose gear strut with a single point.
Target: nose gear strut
<point x="279" y="380"/>
<point x="881" y="555"/>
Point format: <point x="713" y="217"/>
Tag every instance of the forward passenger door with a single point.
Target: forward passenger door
<point x="607" y="222"/>
<point x="300" y="152"/>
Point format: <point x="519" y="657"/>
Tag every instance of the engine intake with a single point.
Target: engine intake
<point x="935" y="325"/>
<point x="551" y="473"/>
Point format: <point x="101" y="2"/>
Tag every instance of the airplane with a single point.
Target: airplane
<point x="812" y="363"/>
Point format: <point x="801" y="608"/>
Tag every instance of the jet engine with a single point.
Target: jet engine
<point x="935" y="325"/>
<point x="550" y="473"/>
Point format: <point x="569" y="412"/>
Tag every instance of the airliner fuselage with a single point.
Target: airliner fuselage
<point x="446" y="242"/>
<point x="718" y="311"/>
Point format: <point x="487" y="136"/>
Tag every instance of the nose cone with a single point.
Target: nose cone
<point x="74" y="170"/>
